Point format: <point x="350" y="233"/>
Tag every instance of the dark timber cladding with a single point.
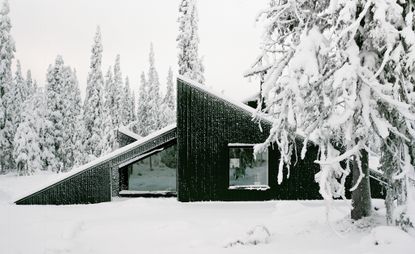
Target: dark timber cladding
<point x="96" y="181"/>
<point x="206" y="124"/>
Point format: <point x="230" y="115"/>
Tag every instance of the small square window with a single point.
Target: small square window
<point x="247" y="171"/>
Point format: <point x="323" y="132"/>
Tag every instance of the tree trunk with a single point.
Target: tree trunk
<point x="361" y="200"/>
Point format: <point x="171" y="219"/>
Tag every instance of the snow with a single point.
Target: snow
<point x="252" y="97"/>
<point x="164" y="225"/>
<point x="249" y="187"/>
<point x="241" y="144"/>
<point x="124" y="130"/>
<point x="102" y="159"/>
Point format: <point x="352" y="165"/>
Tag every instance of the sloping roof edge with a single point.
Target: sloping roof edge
<point x="124" y="130"/>
<point x="63" y="176"/>
<point x="223" y="97"/>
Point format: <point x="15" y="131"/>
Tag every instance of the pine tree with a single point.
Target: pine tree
<point x="324" y="72"/>
<point x="190" y="65"/>
<point x="7" y="50"/>
<point x="93" y="104"/>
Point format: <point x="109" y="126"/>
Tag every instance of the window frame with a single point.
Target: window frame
<point x="261" y="187"/>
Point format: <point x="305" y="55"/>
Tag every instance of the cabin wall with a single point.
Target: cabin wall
<point x="206" y="124"/>
<point x="90" y="186"/>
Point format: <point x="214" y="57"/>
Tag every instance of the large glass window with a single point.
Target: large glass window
<point x="245" y="169"/>
<point x="155" y="173"/>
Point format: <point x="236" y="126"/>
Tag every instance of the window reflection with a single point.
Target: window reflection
<point x="247" y="170"/>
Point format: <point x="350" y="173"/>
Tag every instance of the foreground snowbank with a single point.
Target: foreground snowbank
<point x="167" y="226"/>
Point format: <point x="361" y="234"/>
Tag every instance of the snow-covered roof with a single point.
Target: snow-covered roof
<point x="252" y="97"/>
<point x="100" y="160"/>
<point x="223" y="97"/>
<point x="124" y="130"/>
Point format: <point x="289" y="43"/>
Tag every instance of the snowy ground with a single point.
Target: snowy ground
<point x="167" y="226"/>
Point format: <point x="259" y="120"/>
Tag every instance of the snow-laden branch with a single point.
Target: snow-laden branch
<point x="340" y="158"/>
<point x="372" y="82"/>
<point x="385" y="60"/>
<point x="356" y="23"/>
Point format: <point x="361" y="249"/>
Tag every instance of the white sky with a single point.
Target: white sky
<point x="229" y="37"/>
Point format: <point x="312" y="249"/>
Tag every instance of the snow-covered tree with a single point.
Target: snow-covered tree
<point x="109" y="112"/>
<point x="154" y="99"/>
<point x="71" y="117"/>
<point x="7" y="50"/>
<point x="170" y="97"/>
<point x="143" y="111"/>
<point x="30" y="83"/>
<point x="18" y="94"/>
<point x="27" y="151"/>
<point x="190" y="65"/>
<point x="127" y="105"/>
<point x="56" y="112"/>
<point x="118" y="93"/>
<point x="93" y="104"/>
<point x="325" y="74"/>
<point x="168" y="110"/>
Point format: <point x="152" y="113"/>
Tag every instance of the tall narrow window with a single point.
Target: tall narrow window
<point x="247" y="171"/>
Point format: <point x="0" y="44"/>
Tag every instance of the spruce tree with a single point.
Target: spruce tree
<point x="7" y="50"/>
<point x="154" y="99"/>
<point x="71" y="114"/>
<point x="27" y="152"/>
<point x="326" y="72"/>
<point x="29" y="82"/>
<point x="143" y="110"/>
<point x="190" y="65"/>
<point x="108" y="113"/>
<point x="93" y="104"/>
<point x="170" y="97"/>
<point x="117" y="93"/>
<point x="168" y="110"/>
<point x="127" y="106"/>
<point x="56" y="112"/>
<point x="18" y="94"/>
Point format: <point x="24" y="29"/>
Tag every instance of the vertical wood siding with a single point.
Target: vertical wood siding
<point x="206" y="124"/>
<point x="97" y="183"/>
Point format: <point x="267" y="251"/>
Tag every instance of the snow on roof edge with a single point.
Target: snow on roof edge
<point x="102" y="159"/>
<point x="252" y="97"/>
<point x="124" y="130"/>
<point x="236" y="103"/>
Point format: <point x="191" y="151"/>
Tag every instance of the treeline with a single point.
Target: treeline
<point x="51" y="128"/>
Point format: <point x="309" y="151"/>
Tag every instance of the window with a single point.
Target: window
<point x="247" y="171"/>
<point x="156" y="173"/>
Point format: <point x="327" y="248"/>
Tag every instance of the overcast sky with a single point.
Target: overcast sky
<point x="229" y="37"/>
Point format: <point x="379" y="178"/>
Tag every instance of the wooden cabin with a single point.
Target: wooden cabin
<point x="206" y="156"/>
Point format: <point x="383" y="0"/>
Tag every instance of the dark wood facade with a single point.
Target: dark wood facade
<point x="206" y="124"/>
<point x="89" y="186"/>
<point x="99" y="180"/>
